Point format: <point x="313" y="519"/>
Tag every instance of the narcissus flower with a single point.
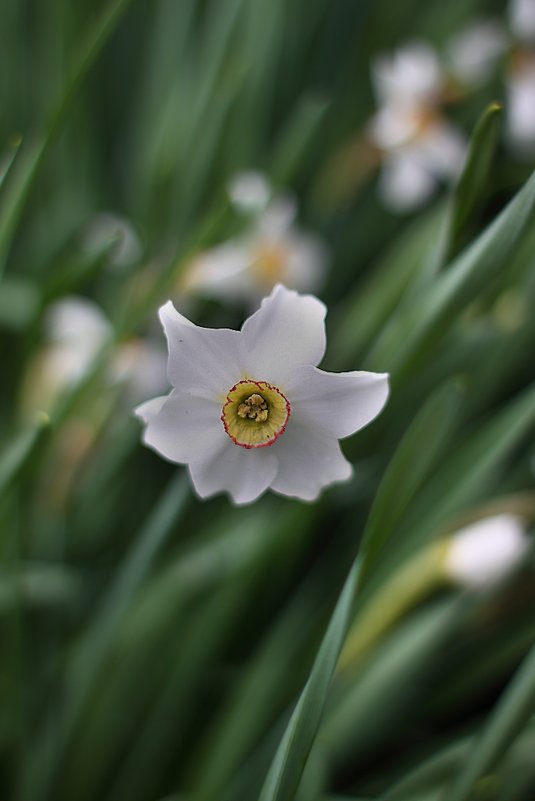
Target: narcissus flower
<point x="251" y="411"/>
<point x="486" y="551"/>
<point x="419" y="146"/>
<point x="272" y="248"/>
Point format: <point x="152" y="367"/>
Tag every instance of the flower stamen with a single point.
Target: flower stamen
<point x="254" y="407"/>
<point x="255" y="414"/>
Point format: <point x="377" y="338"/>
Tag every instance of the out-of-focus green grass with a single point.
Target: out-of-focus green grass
<point x="154" y="646"/>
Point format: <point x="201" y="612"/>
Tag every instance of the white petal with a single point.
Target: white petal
<point x="405" y="183"/>
<point x="522" y="19"/>
<point x="337" y="403"/>
<point x="77" y="321"/>
<point x="183" y="428"/>
<point x="486" y="551"/>
<point x="278" y="217"/>
<point x="521" y="110"/>
<point x="244" y="474"/>
<point x="441" y="149"/>
<point x="308" y="461"/>
<point x="201" y="359"/>
<point x="307" y="262"/>
<point x="222" y="273"/>
<point x="394" y="125"/>
<point x="411" y="73"/>
<point x="249" y="191"/>
<point x="287" y="332"/>
<point x="473" y="53"/>
<point x="146" y="411"/>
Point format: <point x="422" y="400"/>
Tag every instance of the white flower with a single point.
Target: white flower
<point x="474" y="52"/>
<point x="273" y="249"/>
<point x="111" y="233"/>
<point x="522" y="19"/>
<point x="75" y="331"/>
<point x="249" y="191"/>
<point x="420" y="147"/>
<point x="140" y="364"/>
<point x="483" y="553"/>
<point x="520" y="104"/>
<point x="249" y="409"/>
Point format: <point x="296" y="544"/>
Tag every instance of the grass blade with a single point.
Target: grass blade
<point x="287" y="767"/>
<point x="510" y="715"/>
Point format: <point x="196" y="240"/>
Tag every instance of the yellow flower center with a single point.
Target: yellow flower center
<point x="255" y="414"/>
<point x="270" y="261"/>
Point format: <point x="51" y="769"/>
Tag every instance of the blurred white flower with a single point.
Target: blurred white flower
<point x="520" y="79"/>
<point x="272" y="249"/>
<point x="484" y="552"/>
<point x="520" y="105"/>
<point x="522" y="19"/>
<point x="419" y="146"/>
<point x="474" y="52"/>
<point x="249" y="191"/>
<point x="141" y="365"/>
<point x="75" y="330"/>
<point x="109" y="232"/>
<point x="249" y="409"/>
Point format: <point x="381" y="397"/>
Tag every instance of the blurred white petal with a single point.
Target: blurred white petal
<point x="520" y="108"/>
<point x="486" y="551"/>
<point x="249" y="191"/>
<point x="474" y="52"/>
<point x="522" y="19"/>
<point x="410" y="74"/>
<point x="405" y="183"/>
<point x="272" y="250"/>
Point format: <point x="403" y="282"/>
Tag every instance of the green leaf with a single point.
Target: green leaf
<point x="508" y="718"/>
<point x="470" y="472"/>
<point x="287" y="767"/>
<point x="424" y="319"/>
<point x="18" y="454"/>
<point x="296" y="138"/>
<point x="249" y="709"/>
<point x="372" y="698"/>
<point x="409" y="468"/>
<point x="470" y="189"/>
<point x="99" y="637"/>
<point x="8" y="157"/>
<point x="34" y="149"/>
<point x="367" y="310"/>
<point x="86" y="663"/>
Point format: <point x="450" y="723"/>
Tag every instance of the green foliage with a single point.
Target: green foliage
<point x="160" y="648"/>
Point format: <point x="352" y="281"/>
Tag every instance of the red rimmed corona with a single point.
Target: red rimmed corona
<point x="255" y="414"/>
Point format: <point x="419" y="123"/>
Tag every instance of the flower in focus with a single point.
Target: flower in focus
<point x="272" y="249"/>
<point x="419" y="146"/>
<point x="484" y="552"/>
<point x="250" y="410"/>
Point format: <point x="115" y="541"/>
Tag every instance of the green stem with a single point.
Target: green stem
<point x="413" y="581"/>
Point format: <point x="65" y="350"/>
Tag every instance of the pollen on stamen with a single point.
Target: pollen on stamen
<point x="255" y="414"/>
